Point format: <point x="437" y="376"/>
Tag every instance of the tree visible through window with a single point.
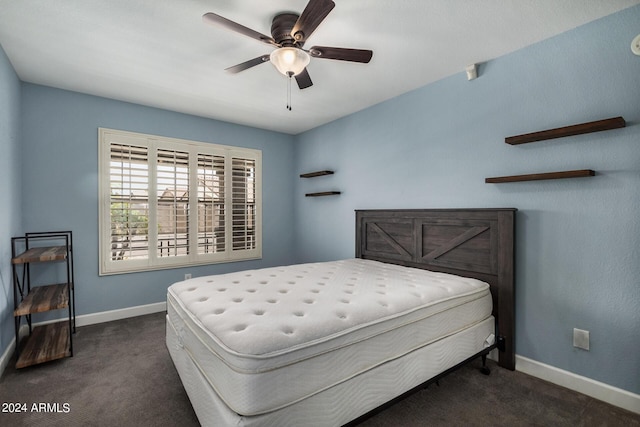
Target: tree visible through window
<point x="168" y="203"/>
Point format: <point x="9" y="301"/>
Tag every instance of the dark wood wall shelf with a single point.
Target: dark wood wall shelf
<point x="541" y="176"/>
<point x="323" y="193"/>
<point x="579" y="129"/>
<point x="315" y="174"/>
<point x="597" y="126"/>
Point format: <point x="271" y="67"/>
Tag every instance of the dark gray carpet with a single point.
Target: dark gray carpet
<point x="122" y="375"/>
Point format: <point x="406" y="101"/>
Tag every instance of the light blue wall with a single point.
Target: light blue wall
<point x="60" y="185"/>
<point x="578" y="240"/>
<point x="9" y="190"/>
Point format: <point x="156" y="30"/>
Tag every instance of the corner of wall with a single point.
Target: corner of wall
<point x="10" y="194"/>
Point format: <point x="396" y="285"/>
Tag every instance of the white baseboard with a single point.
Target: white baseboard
<point x="110" y="316"/>
<point x="123" y="313"/>
<point x="601" y="391"/>
<point x="6" y="356"/>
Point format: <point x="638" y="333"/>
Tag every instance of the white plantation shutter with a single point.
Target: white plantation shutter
<point x="168" y="203"/>
<point x="172" y="186"/>
<point x="211" y="204"/>
<point x="243" y="204"/>
<point x="128" y="202"/>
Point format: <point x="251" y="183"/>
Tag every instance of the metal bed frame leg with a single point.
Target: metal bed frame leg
<point x="485" y="369"/>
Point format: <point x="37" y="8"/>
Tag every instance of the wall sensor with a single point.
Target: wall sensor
<point x="635" y="45"/>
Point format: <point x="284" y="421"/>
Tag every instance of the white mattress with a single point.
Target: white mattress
<point x="337" y="405"/>
<point x="266" y="339"/>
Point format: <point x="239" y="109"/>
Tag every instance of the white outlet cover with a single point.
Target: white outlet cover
<point x="581" y="339"/>
<point x="635" y="45"/>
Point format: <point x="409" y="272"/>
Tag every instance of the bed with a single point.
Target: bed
<point x="325" y="344"/>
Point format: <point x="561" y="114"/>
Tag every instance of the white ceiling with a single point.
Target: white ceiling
<point x="160" y="53"/>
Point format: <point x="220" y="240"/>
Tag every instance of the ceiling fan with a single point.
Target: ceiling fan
<point x="289" y="32"/>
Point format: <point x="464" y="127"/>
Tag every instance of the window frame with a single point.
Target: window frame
<point x="108" y="266"/>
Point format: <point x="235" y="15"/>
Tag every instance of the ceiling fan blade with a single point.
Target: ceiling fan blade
<point x="312" y="15"/>
<point x="303" y="79"/>
<point x="341" y="54"/>
<point x="212" y="18"/>
<point x="248" y="64"/>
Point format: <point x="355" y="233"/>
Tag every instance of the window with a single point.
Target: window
<point x="168" y="203"/>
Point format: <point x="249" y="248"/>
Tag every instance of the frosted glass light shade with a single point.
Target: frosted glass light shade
<point x="290" y="61"/>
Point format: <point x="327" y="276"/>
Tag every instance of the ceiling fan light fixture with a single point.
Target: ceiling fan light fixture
<point x="290" y="61"/>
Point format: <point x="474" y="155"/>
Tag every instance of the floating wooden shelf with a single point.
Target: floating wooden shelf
<point x="541" y="176"/>
<point x="314" y="174"/>
<point x="324" y="193"/>
<point x="597" y="126"/>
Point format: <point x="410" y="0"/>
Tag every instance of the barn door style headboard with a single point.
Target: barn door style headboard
<point x="476" y="243"/>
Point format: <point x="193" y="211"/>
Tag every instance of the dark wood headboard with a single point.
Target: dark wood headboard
<point x="476" y="243"/>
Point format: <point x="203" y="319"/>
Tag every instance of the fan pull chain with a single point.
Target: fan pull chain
<point x="290" y="75"/>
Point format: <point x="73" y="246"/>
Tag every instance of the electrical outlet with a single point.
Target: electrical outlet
<point x="581" y="339"/>
<point x="187" y="276"/>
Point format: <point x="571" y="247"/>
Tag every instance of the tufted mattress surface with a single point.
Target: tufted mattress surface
<point x="267" y="338"/>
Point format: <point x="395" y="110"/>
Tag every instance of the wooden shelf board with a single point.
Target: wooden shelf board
<point x="314" y="174"/>
<point x="596" y="126"/>
<point x="41" y="254"/>
<point x="323" y="193"/>
<point x="44" y="298"/>
<point x="46" y="343"/>
<point x="541" y="176"/>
